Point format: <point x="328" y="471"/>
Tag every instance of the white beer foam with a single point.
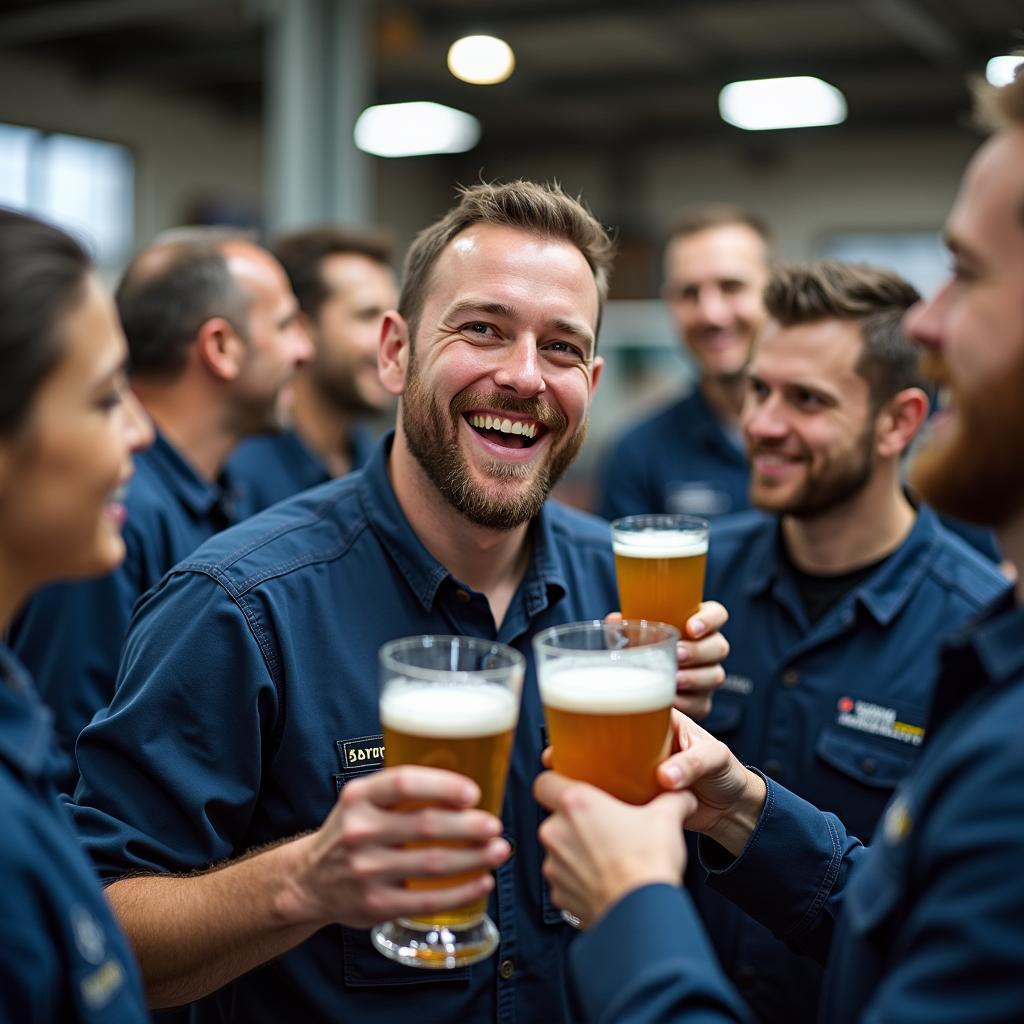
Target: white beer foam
<point x="448" y="711"/>
<point x="659" y="544"/>
<point x="606" y="689"/>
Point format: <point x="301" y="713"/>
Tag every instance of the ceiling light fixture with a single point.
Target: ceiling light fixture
<point x="415" y="129"/>
<point x="481" y="60"/>
<point x="767" y="103"/>
<point x="1002" y="70"/>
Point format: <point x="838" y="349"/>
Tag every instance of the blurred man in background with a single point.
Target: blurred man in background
<point x="689" y="457"/>
<point x="344" y="283"/>
<point x="214" y="342"/>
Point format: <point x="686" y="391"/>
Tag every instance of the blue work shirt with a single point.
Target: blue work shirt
<point x="171" y="510"/>
<point x="927" y="924"/>
<point x="272" y="467"/>
<point x="248" y="695"/>
<point x="835" y="710"/>
<point x="679" y="460"/>
<point x="62" y="956"/>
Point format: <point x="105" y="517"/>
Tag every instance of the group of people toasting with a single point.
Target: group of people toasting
<point x="420" y="741"/>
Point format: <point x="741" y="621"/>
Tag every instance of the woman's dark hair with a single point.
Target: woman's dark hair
<point x="42" y="275"/>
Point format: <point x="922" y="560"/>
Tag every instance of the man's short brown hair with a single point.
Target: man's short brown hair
<point x="872" y="297"/>
<point x="302" y="254"/>
<point x="544" y="210"/>
<point x="694" y="219"/>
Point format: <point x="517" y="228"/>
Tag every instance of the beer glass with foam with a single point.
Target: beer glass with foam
<point x="607" y="690"/>
<point x="659" y="564"/>
<point x="449" y="702"/>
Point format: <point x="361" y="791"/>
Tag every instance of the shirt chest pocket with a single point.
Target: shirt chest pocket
<point x="364" y="967"/>
<point x="871" y="761"/>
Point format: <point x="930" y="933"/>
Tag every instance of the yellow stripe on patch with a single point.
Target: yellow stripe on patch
<point x="913" y="730"/>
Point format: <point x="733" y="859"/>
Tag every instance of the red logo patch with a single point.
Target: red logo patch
<point x="845" y="705"/>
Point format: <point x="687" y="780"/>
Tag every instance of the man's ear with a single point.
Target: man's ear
<point x="899" y="421"/>
<point x="220" y="348"/>
<point x="595" y="373"/>
<point x="393" y="353"/>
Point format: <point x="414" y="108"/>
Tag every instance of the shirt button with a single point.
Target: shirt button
<point x="870" y="765"/>
<point x="746" y="976"/>
<point x="774" y="769"/>
<point x="790" y="678"/>
<point x="507" y="969"/>
<point x="462" y="595"/>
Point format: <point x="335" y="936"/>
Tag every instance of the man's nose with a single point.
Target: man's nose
<point x="520" y="368"/>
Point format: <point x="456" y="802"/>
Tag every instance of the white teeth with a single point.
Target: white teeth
<point x="505" y="426"/>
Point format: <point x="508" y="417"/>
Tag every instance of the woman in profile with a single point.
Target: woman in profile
<point x="68" y="426"/>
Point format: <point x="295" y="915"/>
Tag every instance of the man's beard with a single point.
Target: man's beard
<point x="338" y="387"/>
<point x="835" y="483"/>
<point x="431" y="434"/>
<point x="975" y="473"/>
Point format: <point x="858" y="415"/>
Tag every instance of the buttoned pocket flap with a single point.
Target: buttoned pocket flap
<point x="364" y="966"/>
<point x="870" y="761"/>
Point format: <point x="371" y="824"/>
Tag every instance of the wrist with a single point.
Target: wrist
<point x="292" y="900"/>
<point x="733" y="830"/>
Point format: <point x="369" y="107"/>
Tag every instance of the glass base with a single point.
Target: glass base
<point x="435" y="947"/>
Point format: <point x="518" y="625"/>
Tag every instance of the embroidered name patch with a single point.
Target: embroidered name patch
<point x="864" y="716"/>
<point x="362" y="753"/>
<point x="737" y="684"/>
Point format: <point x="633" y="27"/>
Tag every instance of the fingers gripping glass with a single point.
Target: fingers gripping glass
<point x="448" y="702"/>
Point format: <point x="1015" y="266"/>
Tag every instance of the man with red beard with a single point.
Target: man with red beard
<point x="927" y="924"/>
<point x="835" y="586"/>
<point x="246" y="726"/>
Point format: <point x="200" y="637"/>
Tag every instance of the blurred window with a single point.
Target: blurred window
<point x="84" y="185"/>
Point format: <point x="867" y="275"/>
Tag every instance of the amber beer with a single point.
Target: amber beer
<point x="464" y="728"/>
<point x="609" y="725"/>
<point x="448" y="702"/>
<point x="607" y="690"/>
<point x="659" y="563"/>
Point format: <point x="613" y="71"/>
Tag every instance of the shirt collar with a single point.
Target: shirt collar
<point x="422" y="571"/>
<point x="26" y="724"/>
<point x="988" y="650"/>
<point x="883" y="594"/>
<point x="197" y="494"/>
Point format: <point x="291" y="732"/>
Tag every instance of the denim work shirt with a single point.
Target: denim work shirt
<point x="171" y="510"/>
<point x="249" y="697"/>
<point x="836" y="710"/>
<point x="678" y="460"/>
<point x="62" y="956"/>
<point x="926" y="924"/>
<point x="272" y="467"/>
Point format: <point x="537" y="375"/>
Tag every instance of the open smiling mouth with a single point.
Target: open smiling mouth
<point x="505" y="432"/>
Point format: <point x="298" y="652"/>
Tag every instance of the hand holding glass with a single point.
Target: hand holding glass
<point x="449" y="702"/>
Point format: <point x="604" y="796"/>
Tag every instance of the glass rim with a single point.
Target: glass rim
<point x="668" y="521"/>
<point x="542" y="641"/>
<point x="515" y="661"/>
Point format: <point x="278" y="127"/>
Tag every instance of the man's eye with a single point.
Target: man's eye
<point x="566" y="348"/>
<point x="478" y="328"/>
<point x="809" y="400"/>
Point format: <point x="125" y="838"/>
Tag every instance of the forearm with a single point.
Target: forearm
<point x="733" y="830"/>
<point x="193" y="934"/>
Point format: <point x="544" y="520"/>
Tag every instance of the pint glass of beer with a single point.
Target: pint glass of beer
<point x="607" y="690"/>
<point x="659" y="564"/>
<point x="449" y="702"/>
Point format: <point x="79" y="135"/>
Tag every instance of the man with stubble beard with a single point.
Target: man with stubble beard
<point x="837" y="582"/>
<point x="250" y="674"/>
<point x="926" y="924"/>
<point x="344" y="283"/>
